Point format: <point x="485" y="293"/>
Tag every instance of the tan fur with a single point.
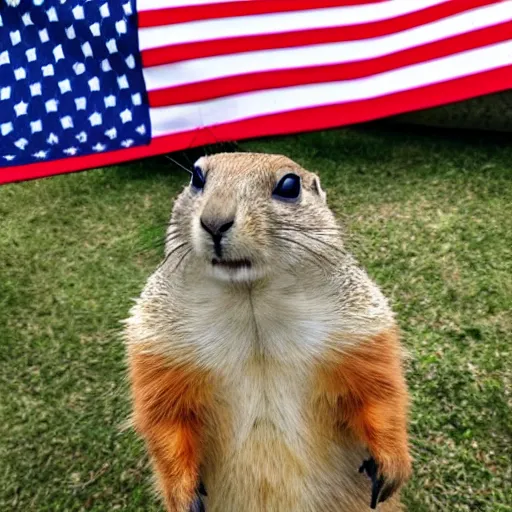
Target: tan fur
<point x="271" y="384"/>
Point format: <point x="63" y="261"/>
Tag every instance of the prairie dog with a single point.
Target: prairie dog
<point x="265" y="364"/>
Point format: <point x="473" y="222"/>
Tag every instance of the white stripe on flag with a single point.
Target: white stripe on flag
<point x="154" y="37"/>
<point x="167" y="120"/>
<point x="197" y="70"/>
<point x="149" y="5"/>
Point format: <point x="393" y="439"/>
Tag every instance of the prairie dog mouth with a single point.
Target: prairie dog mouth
<point x="231" y="264"/>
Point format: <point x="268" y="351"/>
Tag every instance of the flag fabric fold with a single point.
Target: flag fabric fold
<point x="91" y="83"/>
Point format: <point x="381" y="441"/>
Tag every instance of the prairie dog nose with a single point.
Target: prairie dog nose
<point x="218" y="216"/>
<point x="217" y="226"/>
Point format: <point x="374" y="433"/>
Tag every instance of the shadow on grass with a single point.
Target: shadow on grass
<point x="370" y="145"/>
<point x="398" y="151"/>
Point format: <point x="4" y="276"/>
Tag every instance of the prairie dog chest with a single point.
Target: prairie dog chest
<point x="234" y="330"/>
<point x="263" y="345"/>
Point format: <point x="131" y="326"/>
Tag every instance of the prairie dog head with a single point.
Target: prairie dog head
<point x="246" y="216"/>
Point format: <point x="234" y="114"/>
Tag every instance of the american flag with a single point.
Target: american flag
<point x="89" y="83"/>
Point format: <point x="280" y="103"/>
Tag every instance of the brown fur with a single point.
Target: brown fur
<point x="168" y="406"/>
<point x="369" y="390"/>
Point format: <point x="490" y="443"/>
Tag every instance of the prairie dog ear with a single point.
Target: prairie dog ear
<point x="317" y="188"/>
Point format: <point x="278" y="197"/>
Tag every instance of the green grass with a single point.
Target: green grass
<point x="431" y="219"/>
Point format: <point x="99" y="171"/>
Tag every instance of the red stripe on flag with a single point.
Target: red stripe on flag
<point x="226" y="86"/>
<point x="308" y="119"/>
<point x="183" y="14"/>
<point x="231" y="45"/>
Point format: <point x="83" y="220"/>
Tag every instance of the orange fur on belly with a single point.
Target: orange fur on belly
<point x="368" y="388"/>
<point x="168" y="407"/>
<point x="361" y="389"/>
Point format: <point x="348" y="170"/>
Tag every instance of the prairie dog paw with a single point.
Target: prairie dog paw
<point x="13" y="3"/>
<point x="198" y="504"/>
<point x="384" y="482"/>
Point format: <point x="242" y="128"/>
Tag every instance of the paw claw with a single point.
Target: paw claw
<point x="197" y="505"/>
<point x="382" y="488"/>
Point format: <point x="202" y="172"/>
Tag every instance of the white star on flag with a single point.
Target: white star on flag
<point x="99" y="147"/>
<point x="21" y="108"/>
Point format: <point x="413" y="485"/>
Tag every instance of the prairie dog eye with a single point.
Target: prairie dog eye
<point x="198" y="179"/>
<point x="288" y="188"/>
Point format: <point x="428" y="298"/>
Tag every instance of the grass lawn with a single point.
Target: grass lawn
<point x="431" y="219"/>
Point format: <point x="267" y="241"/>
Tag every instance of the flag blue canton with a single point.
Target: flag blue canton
<point x="70" y="80"/>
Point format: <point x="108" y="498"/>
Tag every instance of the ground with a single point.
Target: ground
<point x="429" y="216"/>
